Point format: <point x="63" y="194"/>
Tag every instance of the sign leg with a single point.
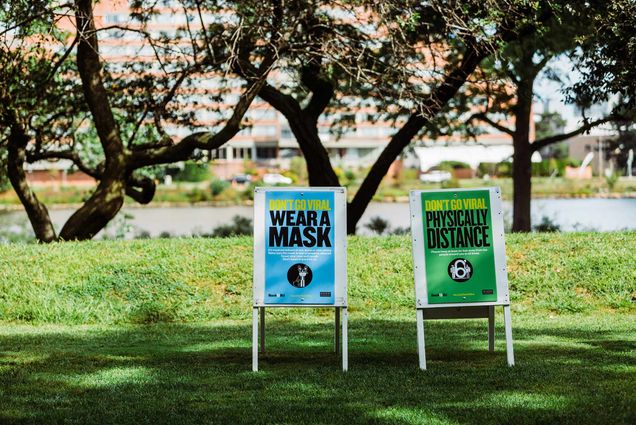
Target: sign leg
<point x="345" y="340"/>
<point x="491" y="328"/>
<point x="262" y="329"/>
<point x="336" y="336"/>
<point x="421" y="349"/>
<point x="255" y="339"/>
<point x="508" y="323"/>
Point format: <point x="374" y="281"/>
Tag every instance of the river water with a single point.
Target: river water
<point x="569" y="214"/>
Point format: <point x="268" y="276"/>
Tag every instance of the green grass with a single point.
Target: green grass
<point x="186" y="280"/>
<point x="577" y="369"/>
<point x="154" y="332"/>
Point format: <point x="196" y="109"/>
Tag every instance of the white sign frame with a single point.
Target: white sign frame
<point x="426" y="311"/>
<point x="340" y="263"/>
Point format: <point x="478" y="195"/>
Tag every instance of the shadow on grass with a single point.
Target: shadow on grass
<point x="201" y="374"/>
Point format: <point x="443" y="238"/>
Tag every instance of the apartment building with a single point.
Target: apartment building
<point x="268" y="142"/>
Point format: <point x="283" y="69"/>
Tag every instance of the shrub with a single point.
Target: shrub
<point x="239" y="226"/>
<point x="377" y="225"/>
<point x="452" y="165"/>
<point x="217" y="186"/>
<point x="611" y="179"/>
<point x="546" y="225"/>
<point x="298" y="166"/>
<point x="198" y="195"/>
<point x="450" y="184"/>
<point x="193" y="172"/>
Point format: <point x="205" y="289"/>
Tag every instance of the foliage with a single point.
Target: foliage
<point x="193" y="172"/>
<point x="549" y="124"/>
<point x="378" y="225"/>
<point x="450" y="184"/>
<point x="240" y="226"/>
<point x="611" y="179"/>
<point x="618" y="148"/>
<point x="546" y="225"/>
<point x="4" y="178"/>
<point x="608" y="57"/>
<point x="111" y="119"/>
<point x="452" y="165"/>
<point x="198" y="194"/>
<point x="495" y="169"/>
<point x="217" y="186"/>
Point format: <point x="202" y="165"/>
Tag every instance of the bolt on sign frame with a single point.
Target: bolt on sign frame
<point x="300" y="256"/>
<point x="459" y="259"/>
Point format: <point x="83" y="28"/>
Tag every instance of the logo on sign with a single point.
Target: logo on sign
<point x="299" y="275"/>
<point x="460" y="270"/>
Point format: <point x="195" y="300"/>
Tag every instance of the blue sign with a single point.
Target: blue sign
<point x="299" y="247"/>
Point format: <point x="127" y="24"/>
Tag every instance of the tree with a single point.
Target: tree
<point x="442" y="42"/>
<point x="607" y="56"/>
<point x="43" y="94"/>
<point x="509" y="95"/>
<point x="551" y="123"/>
<point x="618" y="149"/>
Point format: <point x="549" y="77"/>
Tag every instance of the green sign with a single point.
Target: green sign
<point x="458" y="247"/>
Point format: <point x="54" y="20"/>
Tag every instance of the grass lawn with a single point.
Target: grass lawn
<point x="578" y="369"/>
<point x="160" y="332"/>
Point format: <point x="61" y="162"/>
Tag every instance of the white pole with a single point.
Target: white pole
<point x="336" y="336"/>
<point x="491" y="328"/>
<point x="508" y="323"/>
<point x="421" y="349"/>
<point x="262" y="309"/>
<point x="255" y="339"/>
<point x="345" y="340"/>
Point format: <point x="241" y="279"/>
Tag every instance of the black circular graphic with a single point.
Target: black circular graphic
<point x="299" y="275"/>
<point x="460" y="270"/>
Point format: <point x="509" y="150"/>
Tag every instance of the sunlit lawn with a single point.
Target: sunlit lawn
<point x="578" y="369"/>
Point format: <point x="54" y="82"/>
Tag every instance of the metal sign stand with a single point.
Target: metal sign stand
<point x="339" y="290"/>
<point x="468" y="312"/>
<point x="461" y="310"/>
<point x="340" y="344"/>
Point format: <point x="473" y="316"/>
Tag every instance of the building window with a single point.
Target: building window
<point x="264" y="130"/>
<point x="242" y="153"/>
<point x="220" y="153"/>
<point x="266" y="152"/>
<point x="114" y="19"/>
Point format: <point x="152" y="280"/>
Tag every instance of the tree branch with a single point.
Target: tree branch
<point x="36" y="211"/>
<point x="140" y="188"/>
<point x="205" y="140"/>
<point x="321" y="90"/>
<point x="32" y="157"/>
<point x="400" y="140"/>
<point x="541" y="143"/>
<point x="483" y="117"/>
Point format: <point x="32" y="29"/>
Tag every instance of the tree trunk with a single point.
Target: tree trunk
<point x="522" y="159"/>
<point x="522" y="185"/>
<point x="36" y="211"/>
<point x="304" y="126"/>
<point x="437" y="100"/>
<point x="108" y="198"/>
<point x="380" y="167"/>
<point x="319" y="168"/>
